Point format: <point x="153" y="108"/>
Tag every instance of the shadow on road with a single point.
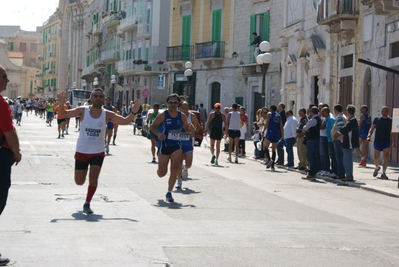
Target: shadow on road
<point x="91" y="218"/>
<point x="186" y="191"/>
<point x="173" y="205"/>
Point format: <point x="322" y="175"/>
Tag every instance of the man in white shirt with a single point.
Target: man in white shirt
<point x="289" y="137"/>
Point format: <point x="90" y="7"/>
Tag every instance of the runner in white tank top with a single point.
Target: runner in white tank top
<point x="90" y="144"/>
<point x="92" y="134"/>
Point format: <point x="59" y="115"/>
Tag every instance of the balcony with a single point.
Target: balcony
<point x="143" y="30"/>
<point x="88" y="70"/>
<point x="126" y="67"/>
<point x="97" y="29"/>
<point x="343" y="12"/>
<point x="382" y="7"/>
<point x="177" y="55"/>
<point x="110" y="56"/>
<point x="112" y="20"/>
<point x="128" y="24"/>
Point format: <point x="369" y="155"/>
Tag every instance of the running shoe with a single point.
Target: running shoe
<point x="113" y="143"/>
<point x="213" y="159"/>
<point x="384" y="176"/>
<point x="4" y="261"/>
<point x="59" y="136"/>
<point x="153" y="160"/>
<point x="216" y="163"/>
<point x="87" y="209"/>
<point x="179" y="184"/>
<point x="107" y="149"/>
<point x="362" y="163"/>
<point x="236" y="160"/>
<point x="229" y="159"/>
<point x="63" y="136"/>
<point x="169" y="197"/>
<point x="269" y="164"/>
<point x="375" y="173"/>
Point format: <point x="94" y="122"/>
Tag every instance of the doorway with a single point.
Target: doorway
<point x="315" y="91"/>
<point x="215" y="94"/>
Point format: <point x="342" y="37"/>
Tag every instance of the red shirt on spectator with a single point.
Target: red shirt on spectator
<point x="6" y="123"/>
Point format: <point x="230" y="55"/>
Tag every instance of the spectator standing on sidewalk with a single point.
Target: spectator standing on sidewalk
<point x="382" y="141"/>
<point x="280" y="150"/>
<point x="324" y="158"/>
<point x="364" y="127"/>
<point x="203" y="112"/>
<point x="350" y="141"/>
<point x="243" y="129"/>
<point x="340" y="122"/>
<point x="289" y="136"/>
<point x="312" y="131"/>
<point x="9" y="147"/>
<point x="330" y="120"/>
<point x="301" y="140"/>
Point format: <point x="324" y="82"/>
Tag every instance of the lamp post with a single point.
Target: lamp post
<point x="264" y="59"/>
<point x="95" y="83"/>
<point x="113" y="81"/>
<point x="188" y="73"/>
<point x="84" y="84"/>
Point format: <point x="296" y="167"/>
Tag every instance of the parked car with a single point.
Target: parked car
<point x="200" y="133"/>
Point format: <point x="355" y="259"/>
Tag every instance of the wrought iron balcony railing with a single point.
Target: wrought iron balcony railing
<point x="209" y="50"/>
<point x="331" y="11"/>
<point x="179" y="53"/>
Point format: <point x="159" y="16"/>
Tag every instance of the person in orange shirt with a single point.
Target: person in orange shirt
<point x="60" y="121"/>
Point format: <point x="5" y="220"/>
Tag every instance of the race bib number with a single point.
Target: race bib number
<point x="174" y="135"/>
<point x="92" y="134"/>
<point x="185" y="137"/>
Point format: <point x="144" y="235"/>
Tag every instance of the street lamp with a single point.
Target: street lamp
<point x="188" y="73"/>
<point x="113" y="81"/>
<point x="264" y="59"/>
<point x="84" y="84"/>
<point x="95" y="83"/>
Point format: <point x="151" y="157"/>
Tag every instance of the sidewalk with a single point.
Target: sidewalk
<point x="363" y="176"/>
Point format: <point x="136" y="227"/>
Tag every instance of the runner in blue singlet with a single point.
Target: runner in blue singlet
<point x="166" y="127"/>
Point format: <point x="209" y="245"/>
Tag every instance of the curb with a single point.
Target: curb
<point x="371" y="188"/>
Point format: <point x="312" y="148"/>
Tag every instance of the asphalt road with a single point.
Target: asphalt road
<point x="232" y="215"/>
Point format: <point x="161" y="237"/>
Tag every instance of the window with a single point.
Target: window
<point x="22" y="47"/>
<point x="347" y="61"/>
<point x="33" y="47"/>
<point x="394" y="51"/>
<point x="11" y="46"/>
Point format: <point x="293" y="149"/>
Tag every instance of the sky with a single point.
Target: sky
<point x="27" y="13"/>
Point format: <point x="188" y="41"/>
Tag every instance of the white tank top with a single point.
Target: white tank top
<point x="234" y="120"/>
<point x="92" y="133"/>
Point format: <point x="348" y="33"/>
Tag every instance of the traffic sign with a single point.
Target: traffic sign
<point x="145" y="92"/>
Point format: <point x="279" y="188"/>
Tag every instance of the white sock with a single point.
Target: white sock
<point x="383" y="171"/>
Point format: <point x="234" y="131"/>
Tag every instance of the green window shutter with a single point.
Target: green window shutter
<point x="266" y="28"/>
<point x="217" y="25"/>
<point x="87" y="61"/>
<point x="147" y="53"/>
<point x="148" y="15"/>
<point x="55" y="82"/>
<point x="108" y="72"/>
<point x="251" y="39"/>
<point x="186" y="30"/>
<point x="139" y="53"/>
<point x="186" y="37"/>
<point x="133" y="55"/>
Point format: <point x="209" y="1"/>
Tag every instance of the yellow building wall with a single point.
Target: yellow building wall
<point x="201" y="22"/>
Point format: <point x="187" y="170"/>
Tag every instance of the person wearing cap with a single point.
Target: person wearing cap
<point x="214" y="126"/>
<point x="312" y="131"/>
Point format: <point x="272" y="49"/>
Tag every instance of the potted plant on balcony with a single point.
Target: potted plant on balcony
<point x="138" y="62"/>
<point x="234" y="55"/>
<point x="144" y="62"/>
<point x="104" y="14"/>
<point x="147" y="68"/>
<point x="160" y="62"/>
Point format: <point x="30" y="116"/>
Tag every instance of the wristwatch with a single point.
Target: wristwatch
<point x="134" y="113"/>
